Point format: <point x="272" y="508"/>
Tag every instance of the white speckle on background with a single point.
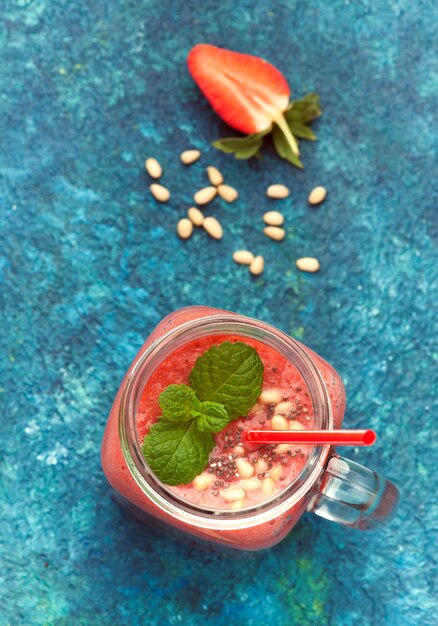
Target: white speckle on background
<point x="55" y="455"/>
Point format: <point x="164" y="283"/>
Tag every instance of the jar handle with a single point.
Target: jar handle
<point x="354" y="495"/>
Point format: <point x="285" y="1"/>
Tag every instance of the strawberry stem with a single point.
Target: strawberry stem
<point x="284" y="127"/>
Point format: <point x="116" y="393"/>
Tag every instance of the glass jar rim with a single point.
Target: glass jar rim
<point x="167" y="500"/>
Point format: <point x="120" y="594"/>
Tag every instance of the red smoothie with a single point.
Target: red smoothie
<point x="237" y="476"/>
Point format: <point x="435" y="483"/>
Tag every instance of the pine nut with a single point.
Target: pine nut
<point x="159" y="192"/>
<point x="308" y="264"/>
<point x="205" y="195"/>
<point x="243" y="257"/>
<point x="228" y="193"/>
<point x="282" y="448"/>
<point x="239" y="450"/>
<point x="201" y="482"/>
<point x="184" y="228"/>
<point x="284" y="407"/>
<point x="295" y="425"/>
<point x="244" y="467"/>
<point x="153" y="168"/>
<point x="190" y="156"/>
<point x="238" y="504"/>
<point x="317" y="195"/>
<point x="273" y="232"/>
<point x="276" y="472"/>
<point x="273" y="218"/>
<point x="195" y="216"/>
<point x="251" y="484"/>
<point x="232" y="494"/>
<point x="213" y="227"/>
<point x="270" y="396"/>
<point x="257" y="266"/>
<point x="277" y="191"/>
<point x="214" y="176"/>
<point x="278" y="422"/>
<point x="261" y="466"/>
<point x="268" y="486"/>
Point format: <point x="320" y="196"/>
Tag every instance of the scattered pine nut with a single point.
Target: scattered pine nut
<point x="282" y="448"/>
<point x="270" y="396"/>
<point x="184" y="228"/>
<point x="277" y="191"/>
<point x="239" y="450"/>
<point x="228" y="193"/>
<point x="190" y="156"/>
<point x="268" y="486"/>
<point x="213" y="227"/>
<point x="243" y="257"/>
<point x="205" y="195"/>
<point x="214" y="176"/>
<point x="307" y="264"/>
<point x="153" y="168"/>
<point x="295" y="425"/>
<point x="202" y="481"/>
<point x="257" y="266"/>
<point x="232" y="494"/>
<point x="317" y="195"/>
<point x="160" y="193"/>
<point x="278" y="422"/>
<point x="273" y="218"/>
<point x="244" y="467"/>
<point x="284" y="407"/>
<point x="275" y="233"/>
<point x="195" y="216"/>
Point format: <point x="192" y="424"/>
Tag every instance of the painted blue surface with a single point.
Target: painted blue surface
<point x="89" y="264"/>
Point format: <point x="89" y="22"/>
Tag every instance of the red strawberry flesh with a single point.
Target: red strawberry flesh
<point x="248" y="93"/>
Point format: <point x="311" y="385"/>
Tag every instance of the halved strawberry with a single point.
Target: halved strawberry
<point x="247" y="92"/>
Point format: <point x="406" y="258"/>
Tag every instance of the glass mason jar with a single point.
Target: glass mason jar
<point x="328" y="485"/>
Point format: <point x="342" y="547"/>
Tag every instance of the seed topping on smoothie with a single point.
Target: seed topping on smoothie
<point x="225" y="384"/>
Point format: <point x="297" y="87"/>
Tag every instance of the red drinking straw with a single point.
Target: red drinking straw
<point x="332" y="437"/>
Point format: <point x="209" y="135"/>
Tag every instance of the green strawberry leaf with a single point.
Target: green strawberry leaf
<point x="283" y="148"/>
<point x="177" y="453"/>
<point x="178" y="403"/>
<point x="230" y="374"/>
<point x="311" y="97"/>
<point x="212" y="417"/>
<point x="241" y="147"/>
<point x="302" y="131"/>
<point x="305" y="110"/>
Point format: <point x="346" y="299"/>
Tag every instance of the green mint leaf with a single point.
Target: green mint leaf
<point x="178" y="403"/>
<point x="230" y="374"/>
<point x="283" y="148"/>
<point x="175" y="452"/>
<point x="212" y="417"/>
<point x="302" y="131"/>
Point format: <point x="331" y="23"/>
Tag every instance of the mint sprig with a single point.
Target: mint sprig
<point x="231" y="374"/>
<point x="226" y="382"/>
<point x="285" y="134"/>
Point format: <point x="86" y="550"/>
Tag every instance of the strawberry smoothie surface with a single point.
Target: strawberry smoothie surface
<point x="238" y="474"/>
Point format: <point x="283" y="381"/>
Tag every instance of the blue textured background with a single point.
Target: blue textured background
<point x="89" y="264"/>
